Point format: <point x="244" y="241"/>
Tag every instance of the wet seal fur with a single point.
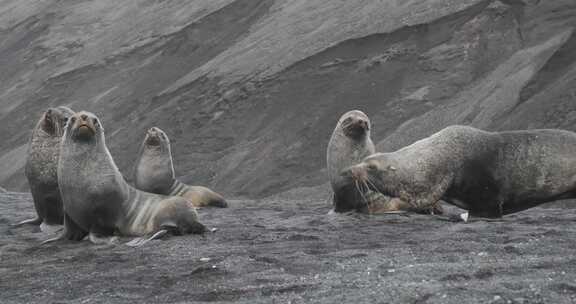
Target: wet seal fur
<point x="154" y="172"/>
<point x="41" y="167"/>
<point x="490" y="174"/>
<point x="349" y="145"/>
<point x="97" y="199"/>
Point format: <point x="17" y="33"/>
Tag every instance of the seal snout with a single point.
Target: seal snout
<point x="84" y="126"/>
<point x="357" y="173"/>
<point x="355" y="126"/>
<point x="155" y="136"/>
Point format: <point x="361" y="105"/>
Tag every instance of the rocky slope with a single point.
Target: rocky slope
<point x="250" y="90"/>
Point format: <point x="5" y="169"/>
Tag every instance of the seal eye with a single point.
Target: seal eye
<point x="95" y="121"/>
<point x="73" y="119"/>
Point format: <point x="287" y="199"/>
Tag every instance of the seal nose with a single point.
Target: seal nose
<point x="358" y="173"/>
<point x="84" y="117"/>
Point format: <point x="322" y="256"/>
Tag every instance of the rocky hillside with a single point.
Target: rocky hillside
<point x="249" y="90"/>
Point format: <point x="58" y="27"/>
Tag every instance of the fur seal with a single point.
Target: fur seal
<point x="350" y="144"/>
<point x="154" y="172"/>
<point x="41" y="167"/>
<point x="98" y="201"/>
<point x="490" y="174"/>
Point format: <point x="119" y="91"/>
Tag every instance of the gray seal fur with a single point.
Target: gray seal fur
<point x="42" y="163"/>
<point x="154" y="172"/>
<point x="490" y="174"/>
<point x="98" y="201"/>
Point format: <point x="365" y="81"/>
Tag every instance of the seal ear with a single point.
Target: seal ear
<point x="48" y="115"/>
<point x="391" y="168"/>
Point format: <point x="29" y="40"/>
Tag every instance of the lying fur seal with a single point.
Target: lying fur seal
<point x="350" y="144"/>
<point x="490" y="174"/>
<point x="41" y="167"/>
<point x="98" y="201"/>
<point x="154" y="172"/>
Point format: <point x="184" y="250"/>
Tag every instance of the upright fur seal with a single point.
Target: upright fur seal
<point x="350" y="144"/>
<point x="41" y="166"/>
<point x="154" y="172"/>
<point x="490" y="174"/>
<point x="98" y="201"/>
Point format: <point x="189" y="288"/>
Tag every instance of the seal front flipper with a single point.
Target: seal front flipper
<point x="171" y="227"/>
<point x="35" y="221"/>
<point x="71" y="232"/>
<point x="48" y="228"/>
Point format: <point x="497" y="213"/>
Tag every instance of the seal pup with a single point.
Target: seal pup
<point x="41" y="167"/>
<point x="154" y="172"/>
<point x="98" y="201"/>
<point x="490" y="174"/>
<point x="349" y="144"/>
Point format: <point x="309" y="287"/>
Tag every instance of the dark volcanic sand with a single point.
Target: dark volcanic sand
<point x="281" y="250"/>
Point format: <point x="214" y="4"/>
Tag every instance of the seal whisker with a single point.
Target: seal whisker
<point x="360" y="191"/>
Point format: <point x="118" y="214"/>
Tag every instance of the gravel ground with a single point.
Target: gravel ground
<point x="284" y="250"/>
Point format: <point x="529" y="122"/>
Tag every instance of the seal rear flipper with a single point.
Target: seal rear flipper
<point x="137" y="242"/>
<point x="72" y="232"/>
<point x="34" y="221"/>
<point x="99" y="239"/>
